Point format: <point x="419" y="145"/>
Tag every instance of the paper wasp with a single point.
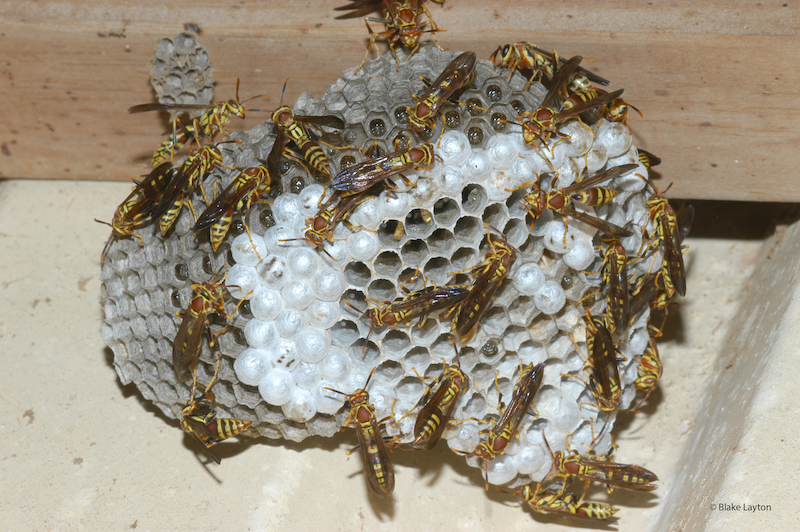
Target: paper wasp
<point x="193" y="170"/>
<point x="458" y="73"/>
<point x="199" y="419"/>
<point x="584" y="192"/>
<point x="321" y="226"/>
<point x="505" y="428"/>
<point x="599" y="469"/>
<point x="604" y="382"/>
<point x="524" y="55"/>
<point x="614" y="275"/>
<point x="648" y="159"/>
<point x="213" y="120"/>
<point x="377" y="466"/>
<point x="438" y="404"/>
<point x="560" y="503"/>
<point x="650" y="370"/>
<point x="668" y="235"/>
<point x="617" y="111"/>
<point x="403" y="21"/>
<point x="541" y="124"/>
<point x="251" y="185"/>
<point x="359" y="177"/>
<point x="136" y="211"/>
<point x="207" y="299"/>
<point x="292" y="127"/>
<point x="491" y="273"/>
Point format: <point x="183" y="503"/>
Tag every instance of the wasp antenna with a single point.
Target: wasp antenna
<point x="102" y="222"/>
<point x="284" y="89"/>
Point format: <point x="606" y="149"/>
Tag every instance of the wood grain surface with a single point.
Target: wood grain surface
<point x="717" y="81"/>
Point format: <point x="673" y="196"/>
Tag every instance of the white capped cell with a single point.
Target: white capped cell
<point x="305" y="375"/>
<point x="570" y="172"/>
<point x="523" y="171"/>
<point x="549" y="156"/>
<point x="309" y="199"/>
<point x="581" y="255"/>
<point x="335" y="367"/>
<point x="528" y="279"/>
<point x="554" y="239"/>
<point x="312" y="345"/>
<point x="551" y="298"/>
<point x="265" y="304"/>
<point x="454" y="148"/>
<point x="241" y="281"/>
<point x="322" y="314"/>
<point x="252" y="365"/>
<point x="425" y="193"/>
<point x="286" y="211"/>
<point x="289" y="322"/>
<point x="467" y="438"/>
<point x="303" y="263"/>
<point x="568" y="417"/>
<point x="498" y="184"/>
<point x="451" y="181"/>
<point x="273" y="271"/>
<point x="530" y="459"/>
<point x="260" y="334"/>
<point x="478" y="167"/>
<point x="283" y="353"/>
<point x="325" y="401"/>
<point x="248" y="251"/>
<point x="300" y="407"/>
<point x="279" y="239"/>
<point x="276" y="387"/>
<point x="297" y="294"/>
<point x="629" y="157"/>
<point x="328" y="284"/>
<point x="363" y="245"/>
<point x="503" y="151"/>
<point x="580" y="138"/>
<point x="368" y="214"/>
<point x="394" y="205"/>
<point x="501" y="470"/>
<point x="596" y="159"/>
<point x="615" y="137"/>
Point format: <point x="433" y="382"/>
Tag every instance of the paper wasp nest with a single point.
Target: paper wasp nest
<point x="182" y="71"/>
<point x="296" y="335"/>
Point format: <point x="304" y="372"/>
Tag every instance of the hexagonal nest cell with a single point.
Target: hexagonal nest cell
<point x="302" y="329"/>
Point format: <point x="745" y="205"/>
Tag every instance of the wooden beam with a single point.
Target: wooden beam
<point x="716" y="81"/>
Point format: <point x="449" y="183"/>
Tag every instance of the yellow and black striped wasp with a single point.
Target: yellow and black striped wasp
<point x="504" y="429"/>
<point x="585" y="192"/>
<point x="541" y="124"/>
<point x="252" y="185"/>
<point x="547" y="501"/>
<point x="190" y="175"/>
<point x="604" y="381"/>
<point x="403" y="21"/>
<point x="593" y="468"/>
<point x="208" y="299"/>
<point x="649" y="371"/>
<point x="136" y="211"/>
<point x="378" y="467"/>
<point x="490" y="275"/>
<point x="525" y="55"/>
<point x="668" y="236"/>
<point x="457" y="74"/>
<point x="199" y="419"/>
<point x="212" y="121"/>
<point x="359" y="177"/>
<point x="437" y="405"/>
<point x="648" y="159"/>
<point x="292" y="127"/>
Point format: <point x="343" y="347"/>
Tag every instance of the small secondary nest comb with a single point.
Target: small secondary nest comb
<point x="295" y="336"/>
